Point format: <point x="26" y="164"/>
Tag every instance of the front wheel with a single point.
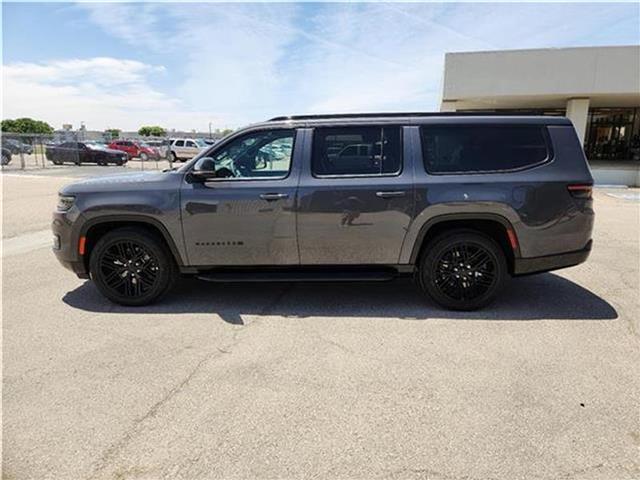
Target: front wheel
<point x="462" y="270"/>
<point x="144" y="157"/>
<point x="132" y="267"/>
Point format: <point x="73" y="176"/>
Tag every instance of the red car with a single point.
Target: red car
<point x="135" y="149"/>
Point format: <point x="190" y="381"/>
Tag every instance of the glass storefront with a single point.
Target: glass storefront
<point x="613" y="134"/>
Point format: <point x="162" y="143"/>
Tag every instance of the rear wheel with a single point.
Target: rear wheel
<point x="462" y="270"/>
<point x="144" y="157"/>
<point x="132" y="267"/>
<point x="6" y="158"/>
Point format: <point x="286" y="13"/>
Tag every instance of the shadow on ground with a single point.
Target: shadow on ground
<point x="540" y="297"/>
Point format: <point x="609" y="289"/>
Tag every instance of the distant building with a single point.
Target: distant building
<point x="598" y="88"/>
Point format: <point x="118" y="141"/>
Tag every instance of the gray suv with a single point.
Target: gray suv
<point x="460" y="202"/>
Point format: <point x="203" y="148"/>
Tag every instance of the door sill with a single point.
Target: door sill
<point x="300" y="274"/>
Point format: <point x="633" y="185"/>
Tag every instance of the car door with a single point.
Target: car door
<point x="191" y="148"/>
<point x="355" y="208"/>
<point x="70" y="152"/>
<point x="246" y="216"/>
<point x="178" y="148"/>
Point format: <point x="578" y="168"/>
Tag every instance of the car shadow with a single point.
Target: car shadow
<point x="538" y="297"/>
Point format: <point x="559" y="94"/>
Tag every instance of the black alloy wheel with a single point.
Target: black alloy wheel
<point x="463" y="270"/>
<point x="132" y="267"/>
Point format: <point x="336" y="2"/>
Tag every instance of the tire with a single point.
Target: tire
<point x="174" y="157"/>
<point x="444" y="275"/>
<point x="118" y="279"/>
<point x="6" y="159"/>
<point x="144" y="157"/>
<point x="57" y="162"/>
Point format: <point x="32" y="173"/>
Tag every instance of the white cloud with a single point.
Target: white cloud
<point x="240" y="63"/>
<point x="102" y="92"/>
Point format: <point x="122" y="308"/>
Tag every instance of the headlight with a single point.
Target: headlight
<point x="65" y="202"/>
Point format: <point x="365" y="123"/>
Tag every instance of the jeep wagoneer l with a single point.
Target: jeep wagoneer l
<point x="460" y="202"/>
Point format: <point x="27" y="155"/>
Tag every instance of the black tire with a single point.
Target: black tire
<point x="132" y="267"/>
<point x="57" y="162"/>
<point x="6" y="159"/>
<point x="450" y="281"/>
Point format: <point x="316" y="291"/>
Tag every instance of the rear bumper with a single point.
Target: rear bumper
<point x="524" y="266"/>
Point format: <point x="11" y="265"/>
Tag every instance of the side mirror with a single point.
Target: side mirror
<point x="204" y="168"/>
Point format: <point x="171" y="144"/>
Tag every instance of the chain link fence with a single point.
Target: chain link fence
<point x="79" y="149"/>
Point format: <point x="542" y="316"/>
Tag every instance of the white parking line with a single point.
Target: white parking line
<point x="26" y="243"/>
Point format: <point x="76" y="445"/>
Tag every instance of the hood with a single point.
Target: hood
<point x="108" y="150"/>
<point x="121" y="181"/>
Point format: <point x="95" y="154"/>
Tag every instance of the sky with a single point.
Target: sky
<point x="187" y="65"/>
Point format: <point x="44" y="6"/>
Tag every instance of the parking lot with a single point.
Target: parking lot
<point x="318" y="380"/>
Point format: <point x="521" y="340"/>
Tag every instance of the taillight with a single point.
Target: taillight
<point x="580" y="190"/>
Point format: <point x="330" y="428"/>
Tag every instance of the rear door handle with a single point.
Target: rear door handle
<point x="391" y="194"/>
<point x="270" y="197"/>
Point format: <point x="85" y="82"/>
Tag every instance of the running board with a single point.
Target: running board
<point x="299" y="275"/>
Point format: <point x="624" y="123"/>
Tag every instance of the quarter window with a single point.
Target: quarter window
<point x="482" y="148"/>
<point x="348" y="151"/>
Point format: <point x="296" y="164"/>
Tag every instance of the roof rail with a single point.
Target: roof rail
<point x="390" y="114"/>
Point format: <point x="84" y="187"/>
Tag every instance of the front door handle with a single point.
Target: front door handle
<point x="270" y="197"/>
<point x="391" y="194"/>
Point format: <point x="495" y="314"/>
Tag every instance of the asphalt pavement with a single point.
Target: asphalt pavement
<point x="324" y="381"/>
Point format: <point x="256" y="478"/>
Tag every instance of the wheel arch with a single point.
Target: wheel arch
<point x="495" y="226"/>
<point x="95" y="229"/>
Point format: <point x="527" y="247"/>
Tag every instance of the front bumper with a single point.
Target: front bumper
<point x="525" y="266"/>
<point x="65" y="243"/>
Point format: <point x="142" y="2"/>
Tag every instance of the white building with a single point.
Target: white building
<point x="598" y="88"/>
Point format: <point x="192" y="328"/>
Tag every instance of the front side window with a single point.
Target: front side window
<point x="482" y="148"/>
<point x="263" y="154"/>
<point x="349" y="151"/>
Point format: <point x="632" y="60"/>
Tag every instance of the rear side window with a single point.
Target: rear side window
<point x="482" y="148"/>
<point x="349" y="151"/>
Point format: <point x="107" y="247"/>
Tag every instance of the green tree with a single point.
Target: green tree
<point x="112" y="132"/>
<point x="152" y="130"/>
<point x="26" y="125"/>
<point x="224" y="132"/>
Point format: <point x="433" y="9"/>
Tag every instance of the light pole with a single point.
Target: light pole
<point x="209" y="130"/>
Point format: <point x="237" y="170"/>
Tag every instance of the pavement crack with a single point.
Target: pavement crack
<point x="115" y="448"/>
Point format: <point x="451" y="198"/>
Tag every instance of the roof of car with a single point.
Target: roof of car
<point x="416" y="118"/>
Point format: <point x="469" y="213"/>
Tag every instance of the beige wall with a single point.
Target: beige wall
<point x="557" y="74"/>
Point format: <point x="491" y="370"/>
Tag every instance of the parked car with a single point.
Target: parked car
<point x="135" y="149"/>
<point x="16" y="146"/>
<point x="81" y="152"/>
<point x="183" y="149"/>
<point x="6" y="156"/>
<point x="161" y="145"/>
<point x="458" y="202"/>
